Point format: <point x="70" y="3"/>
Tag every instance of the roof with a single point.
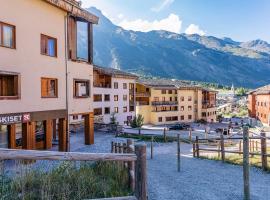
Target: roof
<point x="74" y="8"/>
<point x="262" y="90"/>
<point x="115" y="72"/>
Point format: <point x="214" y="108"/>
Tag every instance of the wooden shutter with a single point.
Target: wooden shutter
<point x="43" y="44"/>
<point x="44" y="87"/>
<point x="72" y="34"/>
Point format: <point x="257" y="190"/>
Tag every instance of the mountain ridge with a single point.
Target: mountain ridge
<point x="181" y="56"/>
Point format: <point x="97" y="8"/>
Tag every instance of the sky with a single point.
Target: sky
<point x="241" y="20"/>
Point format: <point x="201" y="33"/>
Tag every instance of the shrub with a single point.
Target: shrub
<point x="137" y="122"/>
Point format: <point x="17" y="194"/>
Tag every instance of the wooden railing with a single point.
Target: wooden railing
<point x="136" y="160"/>
<point x="253" y="147"/>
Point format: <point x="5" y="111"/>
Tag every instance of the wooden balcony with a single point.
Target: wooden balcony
<point x="164" y="103"/>
<point x="143" y="94"/>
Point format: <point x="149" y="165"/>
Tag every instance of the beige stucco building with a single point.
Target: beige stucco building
<point x="113" y="95"/>
<point x="168" y="102"/>
<point x="45" y="75"/>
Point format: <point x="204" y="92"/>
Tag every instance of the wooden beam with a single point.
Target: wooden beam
<point x="11" y="154"/>
<point x="11" y="136"/>
<point x="62" y="133"/>
<point x="54" y="129"/>
<point x="28" y="135"/>
<point x="48" y="129"/>
<point x="89" y="128"/>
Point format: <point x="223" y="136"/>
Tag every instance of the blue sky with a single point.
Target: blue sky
<point x="241" y="20"/>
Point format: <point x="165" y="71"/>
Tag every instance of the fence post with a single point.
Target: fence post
<point x="194" y="149"/>
<point x="246" y="163"/>
<point x="152" y="140"/>
<point x="112" y="147"/>
<point x="197" y="147"/>
<point x="164" y="135"/>
<point x="240" y="146"/>
<point x="222" y="147"/>
<point x="131" y="165"/>
<point x="190" y="134"/>
<point x="140" y="172"/>
<point x="263" y="151"/>
<point x="139" y="131"/>
<point x="178" y="152"/>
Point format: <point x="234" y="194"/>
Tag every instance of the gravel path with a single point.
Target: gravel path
<point x="198" y="180"/>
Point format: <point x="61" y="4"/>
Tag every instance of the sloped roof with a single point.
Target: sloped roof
<point x="73" y="7"/>
<point x="115" y="72"/>
<point x="262" y="90"/>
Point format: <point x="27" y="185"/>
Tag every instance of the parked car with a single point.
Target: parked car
<point x="176" y="127"/>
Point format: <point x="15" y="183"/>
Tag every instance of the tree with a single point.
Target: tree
<point x="137" y="122"/>
<point x="113" y="119"/>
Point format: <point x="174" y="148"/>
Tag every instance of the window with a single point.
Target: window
<point x="170" y="98"/>
<point x="131" y="86"/>
<point x="9" y="86"/>
<point x="79" y="40"/>
<point x="115" y="85"/>
<point x="107" y="110"/>
<point x="116" y="110"/>
<point x="182" y="98"/>
<point x="182" y="117"/>
<point x="97" y="111"/>
<point x="75" y="117"/>
<point x="7" y="35"/>
<point x="190" y="117"/>
<point x="189" y="108"/>
<point x="48" y="46"/>
<point x="160" y="119"/>
<point x="82" y="40"/>
<point x="124" y="97"/>
<point x="175" y="91"/>
<point x="175" y="118"/>
<point x="156" y="99"/>
<point x="97" y="97"/>
<point x="125" y="109"/>
<point x="189" y="98"/>
<point x="115" y="97"/>
<point x="124" y="86"/>
<point x="131" y="108"/>
<point x="170" y="91"/>
<point x="163" y="91"/>
<point x="81" y="88"/>
<point x="49" y="88"/>
<point x="175" y="98"/>
<point x="182" y="108"/>
<point x="106" y="97"/>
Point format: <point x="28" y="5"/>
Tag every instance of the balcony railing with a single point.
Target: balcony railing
<point x="164" y="103"/>
<point x="143" y="94"/>
<point x="142" y="103"/>
<point x="102" y="85"/>
<point x="164" y="110"/>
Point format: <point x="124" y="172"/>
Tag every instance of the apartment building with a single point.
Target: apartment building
<point x="168" y="102"/>
<point x="45" y="72"/>
<point x="259" y="104"/>
<point x="113" y="95"/>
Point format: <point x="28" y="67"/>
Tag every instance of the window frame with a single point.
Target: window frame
<point x="105" y="113"/>
<point x="88" y="89"/>
<point x="107" y="95"/>
<point x="13" y="35"/>
<point x="116" y="98"/>
<point x="125" y="109"/>
<point x="16" y="83"/>
<point x="56" y="88"/>
<point x="46" y="39"/>
<point x="116" y="109"/>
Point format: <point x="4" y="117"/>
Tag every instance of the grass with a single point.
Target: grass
<point x="148" y="138"/>
<point x="68" y="181"/>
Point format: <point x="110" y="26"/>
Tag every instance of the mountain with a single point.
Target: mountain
<point x="180" y="56"/>
<point x="257" y="45"/>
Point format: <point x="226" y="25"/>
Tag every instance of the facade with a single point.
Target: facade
<point x="168" y="102"/>
<point x="45" y="72"/>
<point x="259" y="104"/>
<point x="113" y="95"/>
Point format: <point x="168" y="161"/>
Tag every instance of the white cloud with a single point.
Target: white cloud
<point x="162" y="5"/>
<point x="120" y="16"/>
<point x="172" y="23"/>
<point x="194" y="29"/>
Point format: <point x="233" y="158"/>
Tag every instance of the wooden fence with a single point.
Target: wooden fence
<point x="135" y="158"/>
<point x="257" y="147"/>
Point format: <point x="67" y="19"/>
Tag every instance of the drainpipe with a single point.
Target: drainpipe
<point x="67" y="93"/>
